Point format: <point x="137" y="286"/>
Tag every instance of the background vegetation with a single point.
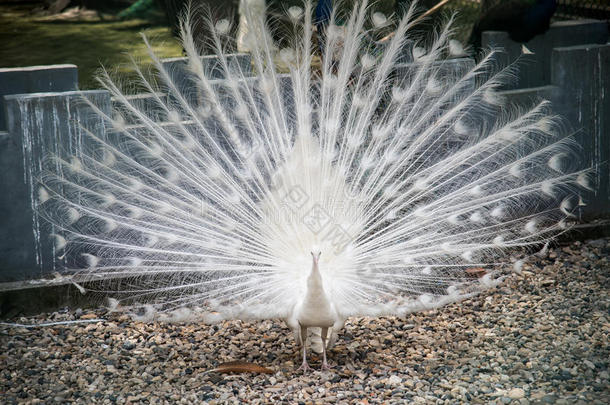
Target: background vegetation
<point x="95" y="35"/>
<point x="86" y="38"/>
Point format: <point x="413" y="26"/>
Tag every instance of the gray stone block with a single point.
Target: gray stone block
<point x="35" y="79"/>
<point x="38" y="125"/>
<point x="583" y="73"/>
<point x="250" y="87"/>
<point x="450" y="68"/>
<point x="534" y="70"/>
<point x="183" y="79"/>
<point x="238" y="62"/>
<point x="531" y="96"/>
<point x="225" y="93"/>
<point x="144" y="102"/>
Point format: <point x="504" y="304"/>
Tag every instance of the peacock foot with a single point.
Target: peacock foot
<point x="325" y="366"/>
<point x="305" y="367"/>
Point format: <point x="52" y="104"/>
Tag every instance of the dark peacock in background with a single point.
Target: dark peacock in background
<point x="522" y="19"/>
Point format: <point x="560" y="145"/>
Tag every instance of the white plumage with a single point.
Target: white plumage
<point x="208" y="201"/>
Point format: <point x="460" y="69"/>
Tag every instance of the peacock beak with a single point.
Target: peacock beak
<point x="316" y="256"/>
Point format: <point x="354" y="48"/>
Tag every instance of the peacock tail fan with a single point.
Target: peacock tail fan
<point x="415" y="179"/>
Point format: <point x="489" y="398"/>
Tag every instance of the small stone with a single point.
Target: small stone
<point x="394" y="380"/>
<point x="537" y="395"/>
<point x="549" y="399"/>
<point x="159" y="363"/>
<point x="516" y="393"/>
<point x="129" y="345"/>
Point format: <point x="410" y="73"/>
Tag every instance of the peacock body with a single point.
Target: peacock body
<point x="522" y="19"/>
<point x="370" y="187"/>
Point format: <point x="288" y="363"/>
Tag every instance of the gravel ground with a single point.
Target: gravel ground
<point x="540" y="338"/>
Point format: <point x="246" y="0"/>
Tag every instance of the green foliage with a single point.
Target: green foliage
<point x="29" y="41"/>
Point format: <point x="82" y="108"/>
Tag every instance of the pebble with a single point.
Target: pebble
<point x="516" y="393"/>
<point x="394" y="380"/>
<point x="540" y="338"/>
<point x="129" y="345"/>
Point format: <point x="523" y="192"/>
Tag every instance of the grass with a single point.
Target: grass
<point x="92" y="40"/>
<point x="27" y="39"/>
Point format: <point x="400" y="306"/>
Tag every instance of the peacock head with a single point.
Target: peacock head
<point x="316" y="256"/>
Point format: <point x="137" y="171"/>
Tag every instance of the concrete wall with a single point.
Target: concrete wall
<point x="583" y="74"/>
<point x="570" y="67"/>
<point x="35" y="79"/>
<point x="534" y="70"/>
<point x="42" y="122"/>
<point x="38" y="124"/>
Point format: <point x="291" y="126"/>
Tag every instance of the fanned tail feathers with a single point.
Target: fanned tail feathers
<point x="206" y="198"/>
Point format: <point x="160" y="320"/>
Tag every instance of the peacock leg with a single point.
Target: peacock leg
<point x="304" y="366"/>
<point x="324" y="334"/>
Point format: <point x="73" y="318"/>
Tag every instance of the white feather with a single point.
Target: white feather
<point x="583" y="180"/>
<point x="92" y="260"/>
<point x="566" y="207"/>
<point x="518" y="266"/>
<point x="379" y="19"/>
<point x="555" y="162"/>
<point x="295" y="13"/>
<point x="59" y="241"/>
<point x="530" y="226"/>
<point x="43" y="195"/>
<point x="222" y="27"/>
<point x="456" y="48"/>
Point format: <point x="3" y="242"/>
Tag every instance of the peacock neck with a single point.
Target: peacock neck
<point x="315" y="308"/>
<point x="314" y="281"/>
